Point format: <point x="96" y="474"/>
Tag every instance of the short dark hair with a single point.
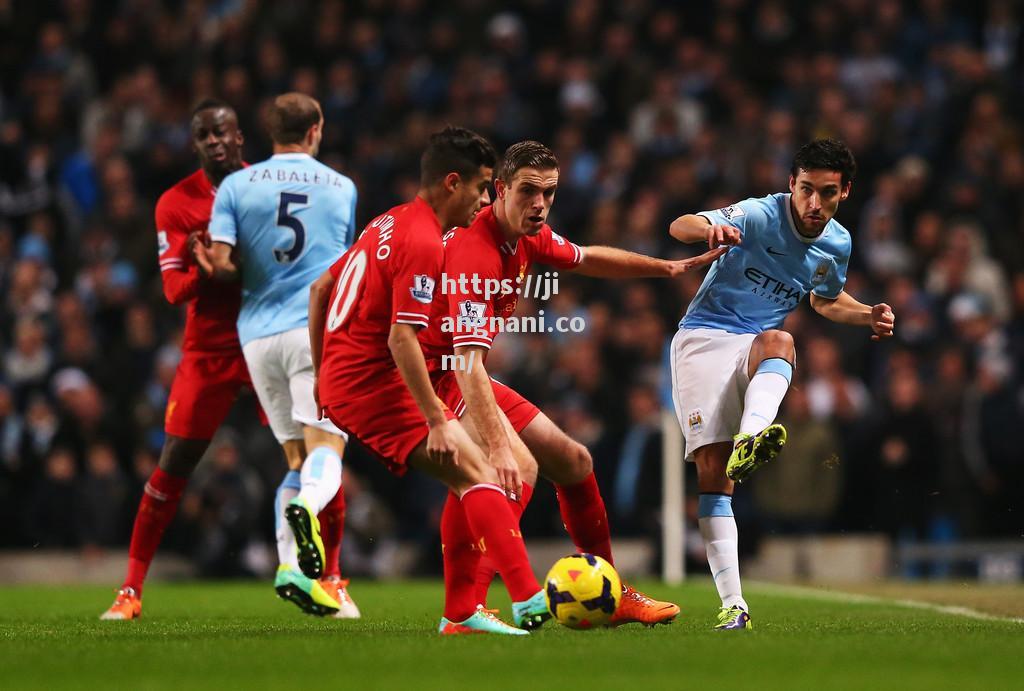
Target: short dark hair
<point x="290" y="116"/>
<point x="211" y="104"/>
<point x="526" y="154"/>
<point x="826" y="154"/>
<point x="455" y="150"/>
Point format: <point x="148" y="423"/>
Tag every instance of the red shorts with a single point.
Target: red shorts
<point x="519" y="411"/>
<point x="387" y="420"/>
<point x="205" y="386"/>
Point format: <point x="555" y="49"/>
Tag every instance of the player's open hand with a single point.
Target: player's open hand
<point x="441" y="446"/>
<point x="680" y="266"/>
<point x="508" y="472"/>
<point x="719" y="235"/>
<point x="883" y="321"/>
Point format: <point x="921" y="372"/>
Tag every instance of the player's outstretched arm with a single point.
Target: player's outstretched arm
<point x="475" y="385"/>
<point x="408" y="356"/>
<point x="845" y="309"/>
<point x="693" y="228"/>
<point x="610" y="262"/>
<point x="319" y="296"/>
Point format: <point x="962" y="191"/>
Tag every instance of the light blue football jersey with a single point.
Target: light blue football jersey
<point x="289" y="218"/>
<point x="755" y="285"/>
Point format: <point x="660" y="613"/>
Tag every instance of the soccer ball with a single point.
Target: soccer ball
<point x="583" y="591"/>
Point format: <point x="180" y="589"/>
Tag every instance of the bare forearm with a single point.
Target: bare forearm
<point x="405" y="349"/>
<point x="845" y="309"/>
<point x="478" y="395"/>
<point x="690" y="229"/>
<point x="224" y="267"/>
<point x="319" y="296"/>
<point x="610" y="262"/>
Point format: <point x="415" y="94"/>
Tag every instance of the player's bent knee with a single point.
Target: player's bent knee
<point x="465" y="475"/>
<point x="581" y="462"/>
<point x="571" y="466"/>
<point x="777" y="343"/>
<point x="315" y="437"/>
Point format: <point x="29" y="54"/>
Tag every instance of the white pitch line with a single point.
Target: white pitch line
<point x="840" y="596"/>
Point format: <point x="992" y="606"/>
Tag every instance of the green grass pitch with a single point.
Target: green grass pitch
<point x="239" y="635"/>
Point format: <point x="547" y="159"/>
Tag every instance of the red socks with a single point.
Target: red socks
<point x="485" y="571"/>
<point x="461" y="554"/>
<point x="332" y="529"/>
<point x="585" y="517"/>
<point x="490" y="518"/>
<point x="158" y="506"/>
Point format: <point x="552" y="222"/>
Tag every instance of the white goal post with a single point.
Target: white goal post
<point x="673" y="496"/>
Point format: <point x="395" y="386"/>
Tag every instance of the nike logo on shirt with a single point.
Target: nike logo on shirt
<point x="778" y="254"/>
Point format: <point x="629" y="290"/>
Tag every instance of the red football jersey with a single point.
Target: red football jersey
<point x="212" y="305"/>
<point x="387" y="277"/>
<point x="462" y="313"/>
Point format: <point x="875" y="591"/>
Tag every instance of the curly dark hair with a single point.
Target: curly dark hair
<point x="826" y="154"/>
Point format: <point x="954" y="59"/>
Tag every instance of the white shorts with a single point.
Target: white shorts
<point x="709" y="381"/>
<point x="281" y="368"/>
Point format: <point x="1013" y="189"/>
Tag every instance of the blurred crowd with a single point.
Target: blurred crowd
<point x="655" y="109"/>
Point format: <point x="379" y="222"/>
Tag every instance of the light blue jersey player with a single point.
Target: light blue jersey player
<point x="731" y="362"/>
<point x="278" y="225"/>
<point x="289" y="218"/>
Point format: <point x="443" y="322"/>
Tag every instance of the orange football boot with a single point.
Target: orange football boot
<point x="637" y="608"/>
<point x="127" y="605"/>
<point x="337" y="587"/>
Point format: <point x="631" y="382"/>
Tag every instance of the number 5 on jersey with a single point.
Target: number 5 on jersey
<point x="349" y="280"/>
<point x="287" y="220"/>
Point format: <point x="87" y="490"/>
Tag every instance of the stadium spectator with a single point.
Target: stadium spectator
<point x="653" y="109"/>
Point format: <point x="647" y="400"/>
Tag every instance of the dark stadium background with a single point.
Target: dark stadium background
<point x="655" y="109"/>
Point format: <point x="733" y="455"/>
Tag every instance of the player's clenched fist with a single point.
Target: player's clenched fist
<point x="883" y="321"/>
<point x="441" y="446"/>
<point x="718" y="235"/>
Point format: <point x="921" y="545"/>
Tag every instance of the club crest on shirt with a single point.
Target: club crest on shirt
<point x="422" y="288"/>
<point x="695" y="420"/>
<point x="821" y="272"/>
<point x="161" y="241"/>
<point x="731" y="212"/>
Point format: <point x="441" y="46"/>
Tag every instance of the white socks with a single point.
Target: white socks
<point x="317" y="484"/>
<point x="764" y="395"/>
<point x="321" y="477"/>
<point x="718" y="528"/>
<point x="761" y="404"/>
<point x="286" y="491"/>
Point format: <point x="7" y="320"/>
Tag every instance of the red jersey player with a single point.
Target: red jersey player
<point x="212" y="370"/>
<point x="499" y="249"/>
<point x="372" y="379"/>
